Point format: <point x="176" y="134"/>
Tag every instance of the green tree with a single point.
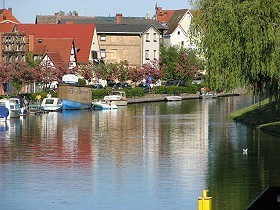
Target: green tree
<point x="169" y="57"/>
<point x="179" y="63"/>
<point x="241" y="44"/>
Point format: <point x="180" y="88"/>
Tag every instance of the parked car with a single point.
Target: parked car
<point x="111" y="83"/>
<point x="123" y="85"/>
<point x="175" y="83"/>
<point x="144" y="86"/>
<point x="197" y="80"/>
<point x="97" y="86"/>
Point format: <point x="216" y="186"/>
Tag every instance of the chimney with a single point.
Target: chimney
<point x="31" y="43"/>
<point x="69" y="22"/>
<point x="119" y="18"/>
<point x="10" y="10"/>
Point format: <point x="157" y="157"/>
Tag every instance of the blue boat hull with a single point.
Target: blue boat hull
<point x="4" y="112"/>
<point x="67" y="104"/>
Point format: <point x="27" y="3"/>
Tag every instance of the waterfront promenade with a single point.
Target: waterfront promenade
<point x="158" y="98"/>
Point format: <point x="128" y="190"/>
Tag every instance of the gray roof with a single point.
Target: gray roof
<point x="121" y="28"/>
<point x="101" y="21"/>
<point x="175" y="19"/>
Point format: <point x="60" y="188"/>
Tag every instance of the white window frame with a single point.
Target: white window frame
<point x="102" y="53"/>
<point x="102" y="37"/>
<point x="147" y="54"/>
<point x="147" y="37"/>
<point x="155" y="37"/>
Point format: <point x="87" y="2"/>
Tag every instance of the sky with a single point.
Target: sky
<point x="26" y="10"/>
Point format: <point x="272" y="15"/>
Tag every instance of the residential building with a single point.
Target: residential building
<point x="12" y="47"/>
<point x="136" y="44"/>
<point x="84" y="36"/>
<point x="53" y="51"/>
<point x="178" y="25"/>
<point x="133" y="39"/>
<point x="12" y="44"/>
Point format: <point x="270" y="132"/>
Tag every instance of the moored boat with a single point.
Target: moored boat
<point x="51" y="104"/>
<point x="173" y="98"/>
<point x="117" y="98"/>
<point x="4" y="110"/>
<point x="14" y="107"/>
<point x="74" y="96"/>
<point x="103" y="105"/>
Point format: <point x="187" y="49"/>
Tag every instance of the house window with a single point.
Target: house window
<point x="178" y="32"/>
<point x="103" y="37"/>
<point x="103" y="53"/>
<point x="155" y="37"/>
<point x="182" y="43"/>
<point x="147" y="54"/>
<point x="155" y="54"/>
<point x="147" y="37"/>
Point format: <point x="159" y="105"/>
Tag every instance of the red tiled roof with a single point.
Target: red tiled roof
<point x="164" y="16"/>
<point x="7" y="27"/>
<point x="63" y="46"/>
<point x="6" y="15"/>
<point x="55" y="58"/>
<point x="81" y="33"/>
<point x="39" y="49"/>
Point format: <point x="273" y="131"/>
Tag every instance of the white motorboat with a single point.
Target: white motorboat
<point x="173" y="98"/>
<point x="206" y="95"/>
<point x="14" y="107"/>
<point x="51" y="104"/>
<point x="117" y="98"/>
<point x="103" y="105"/>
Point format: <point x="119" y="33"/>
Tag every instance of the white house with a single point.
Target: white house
<point x="151" y="44"/>
<point x="178" y="25"/>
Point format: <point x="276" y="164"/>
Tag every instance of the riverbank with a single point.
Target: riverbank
<point x="260" y="116"/>
<point x="159" y="97"/>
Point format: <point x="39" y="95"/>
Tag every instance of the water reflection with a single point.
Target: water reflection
<point x="144" y="156"/>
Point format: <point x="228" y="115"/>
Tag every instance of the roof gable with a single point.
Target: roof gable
<point x="176" y="18"/>
<point x="54" y="57"/>
<point x="82" y="34"/>
<point x="6" y="16"/>
<point x="7" y="27"/>
<point x="62" y="46"/>
<point x="163" y="16"/>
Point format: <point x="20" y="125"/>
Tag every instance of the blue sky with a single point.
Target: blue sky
<point x="26" y="10"/>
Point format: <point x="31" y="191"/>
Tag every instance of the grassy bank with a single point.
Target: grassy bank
<point x="260" y="116"/>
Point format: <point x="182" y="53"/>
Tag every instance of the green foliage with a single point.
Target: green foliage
<point x="179" y="63"/>
<point x="135" y="92"/>
<point x="82" y="81"/>
<point x="32" y="96"/>
<point x="241" y="44"/>
<point x="170" y="90"/>
<point x="169" y="59"/>
<point x="99" y="94"/>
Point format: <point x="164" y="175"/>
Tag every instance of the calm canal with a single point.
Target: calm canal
<point x="157" y="155"/>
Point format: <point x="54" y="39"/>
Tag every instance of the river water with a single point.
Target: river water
<point x="157" y="155"/>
